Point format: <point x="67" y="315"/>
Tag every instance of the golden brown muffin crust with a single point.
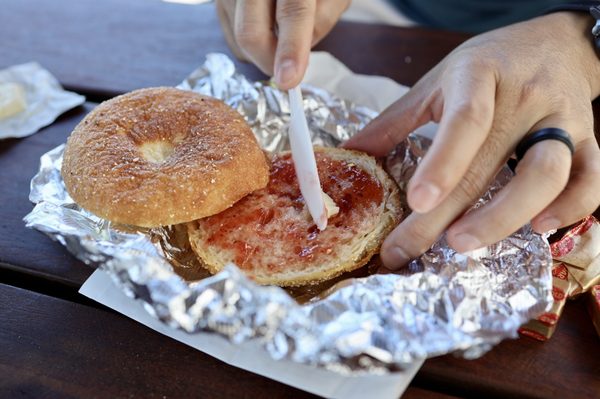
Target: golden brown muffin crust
<point x="162" y="156"/>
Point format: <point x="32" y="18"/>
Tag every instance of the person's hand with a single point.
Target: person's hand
<point x="486" y="96"/>
<point x="277" y="35"/>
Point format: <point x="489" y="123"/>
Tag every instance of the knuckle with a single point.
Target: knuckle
<point x="389" y="137"/>
<point x="326" y="16"/>
<point x="550" y="167"/>
<point x="538" y="90"/>
<point x="504" y="222"/>
<point x="293" y="10"/>
<point x="589" y="200"/>
<point x="594" y="163"/>
<point x="466" y="57"/>
<point x="421" y="237"/>
<point x="486" y="63"/>
<point x="247" y="36"/>
<point x="475" y="113"/>
<point x="562" y="103"/>
<point x="322" y="25"/>
<point x="470" y="186"/>
<point x="495" y="144"/>
<point x="529" y="93"/>
<point x="477" y="63"/>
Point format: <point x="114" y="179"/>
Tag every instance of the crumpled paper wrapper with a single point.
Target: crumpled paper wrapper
<point x="46" y="100"/>
<point x="444" y="302"/>
<point x="576" y="268"/>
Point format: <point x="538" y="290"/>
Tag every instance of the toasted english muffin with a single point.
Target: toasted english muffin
<point x="270" y="235"/>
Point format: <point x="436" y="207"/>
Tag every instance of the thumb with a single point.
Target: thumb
<point x="392" y="126"/>
<point x="296" y="20"/>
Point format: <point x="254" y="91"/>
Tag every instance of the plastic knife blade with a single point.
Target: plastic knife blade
<point x="304" y="160"/>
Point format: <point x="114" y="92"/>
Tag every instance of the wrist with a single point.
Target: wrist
<point x="575" y="28"/>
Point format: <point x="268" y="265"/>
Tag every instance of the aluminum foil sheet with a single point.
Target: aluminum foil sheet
<point x="443" y="302"/>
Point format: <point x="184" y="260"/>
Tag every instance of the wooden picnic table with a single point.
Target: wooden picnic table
<point x="56" y="343"/>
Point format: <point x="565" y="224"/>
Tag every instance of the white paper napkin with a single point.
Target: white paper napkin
<point x="45" y="97"/>
<point x="249" y="356"/>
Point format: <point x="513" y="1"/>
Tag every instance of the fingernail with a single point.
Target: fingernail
<point x="394" y="257"/>
<point x="286" y="71"/>
<point x="423" y="197"/>
<point x="546" y="224"/>
<point x="465" y="242"/>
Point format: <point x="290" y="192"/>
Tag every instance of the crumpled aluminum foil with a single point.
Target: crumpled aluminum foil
<point x="45" y="98"/>
<point x="443" y="302"/>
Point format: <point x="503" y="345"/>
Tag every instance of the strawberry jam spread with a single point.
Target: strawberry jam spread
<point x="271" y="228"/>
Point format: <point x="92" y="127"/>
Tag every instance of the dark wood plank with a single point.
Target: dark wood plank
<point x="141" y="43"/>
<point x="24" y="249"/>
<point x="107" y="47"/>
<point x="566" y="366"/>
<point x="413" y="392"/>
<point x="403" y="54"/>
<point x="55" y="348"/>
<point x="97" y="346"/>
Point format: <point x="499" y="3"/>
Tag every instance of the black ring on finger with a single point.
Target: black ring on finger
<point x="549" y="133"/>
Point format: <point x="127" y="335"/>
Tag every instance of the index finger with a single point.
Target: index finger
<point x="419" y="230"/>
<point x="468" y="95"/>
<point x="394" y="124"/>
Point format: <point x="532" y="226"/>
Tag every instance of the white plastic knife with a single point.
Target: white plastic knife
<point x="304" y="160"/>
